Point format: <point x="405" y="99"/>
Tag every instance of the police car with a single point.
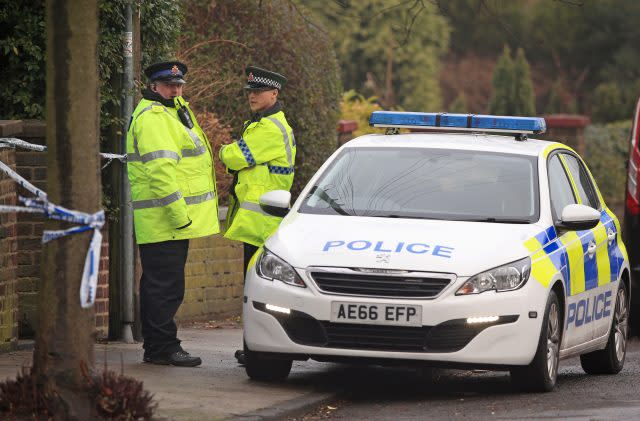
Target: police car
<point x="448" y="249"/>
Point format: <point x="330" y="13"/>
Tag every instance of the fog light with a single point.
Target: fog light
<point x="484" y="319"/>
<point x="277" y="309"/>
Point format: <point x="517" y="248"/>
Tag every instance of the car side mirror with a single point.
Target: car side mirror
<point x="579" y="217"/>
<point x="275" y="202"/>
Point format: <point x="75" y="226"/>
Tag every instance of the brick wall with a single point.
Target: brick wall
<point x="568" y="129"/>
<point x="214" y="273"/>
<point x="345" y="131"/>
<point x="8" y="259"/>
<point x="214" y="279"/>
<point x="102" y="294"/>
<point x="33" y="167"/>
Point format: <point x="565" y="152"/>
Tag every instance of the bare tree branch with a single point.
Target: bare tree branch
<point x="504" y="26"/>
<point x="413" y="20"/>
<point x="189" y="50"/>
<point x="295" y="6"/>
<point x="571" y="2"/>
<point x="386" y="9"/>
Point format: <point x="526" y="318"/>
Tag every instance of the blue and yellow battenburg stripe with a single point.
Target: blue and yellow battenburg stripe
<point x="586" y="273"/>
<point x="567" y="254"/>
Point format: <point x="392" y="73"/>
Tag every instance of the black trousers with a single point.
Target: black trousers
<point x="161" y="293"/>
<point x="249" y="250"/>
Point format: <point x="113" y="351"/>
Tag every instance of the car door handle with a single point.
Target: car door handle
<point x="611" y="235"/>
<point x="591" y="249"/>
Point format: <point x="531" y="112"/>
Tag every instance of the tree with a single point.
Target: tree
<point x="503" y="83"/>
<point x="459" y="104"/>
<point x="512" y="86"/>
<point x="392" y="51"/>
<point x="64" y="338"/>
<point x="608" y="103"/>
<point x="587" y="43"/>
<point x="523" y="101"/>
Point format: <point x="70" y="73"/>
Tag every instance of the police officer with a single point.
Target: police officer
<point x="261" y="160"/>
<point x="170" y="167"/>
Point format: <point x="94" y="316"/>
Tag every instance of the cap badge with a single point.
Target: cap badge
<point x="250" y="78"/>
<point x="174" y="70"/>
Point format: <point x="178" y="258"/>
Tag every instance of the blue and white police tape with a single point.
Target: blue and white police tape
<point x="12" y="142"/>
<point x="41" y="205"/>
<point x="22" y="182"/>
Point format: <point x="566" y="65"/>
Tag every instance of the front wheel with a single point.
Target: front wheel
<point x="259" y="367"/>
<point x="541" y="374"/>
<point x="611" y="359"/>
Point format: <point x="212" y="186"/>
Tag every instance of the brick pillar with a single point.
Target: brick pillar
<point x="8" y="259"/>
<point x="102" y="294"/>
<point x="568" y="129"/>
<point x="345" y="131"/>
<point x="32" y="166"/>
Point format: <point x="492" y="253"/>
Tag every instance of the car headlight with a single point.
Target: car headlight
<point x="503" y="278"/>
<point x="272" y="267"/>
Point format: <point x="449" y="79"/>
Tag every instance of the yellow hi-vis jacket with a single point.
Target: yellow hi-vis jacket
<point x="171" y="174"/>
<point x="264" y="157"/>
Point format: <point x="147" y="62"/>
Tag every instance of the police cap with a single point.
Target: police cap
<point x="262" y="80"/>
<point x="166" y="71"/>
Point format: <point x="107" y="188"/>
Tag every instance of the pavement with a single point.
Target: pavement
<point x="219" y="389"/>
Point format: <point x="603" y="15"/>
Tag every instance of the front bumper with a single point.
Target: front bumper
<point x="444" y="337"/>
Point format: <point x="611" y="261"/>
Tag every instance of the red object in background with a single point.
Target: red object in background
<point x="633" y="181"/>
<point x="631" y="229"/>
<point x="565" y="121"/>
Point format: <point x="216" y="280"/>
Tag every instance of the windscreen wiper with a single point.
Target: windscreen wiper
<point x="393" y="215"/>
<point x="498" y="220"/>
<point x="322" y="194"/>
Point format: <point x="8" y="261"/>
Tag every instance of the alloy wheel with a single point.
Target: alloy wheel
<point x="620" y="324"/>
<point x="553" y="341"/>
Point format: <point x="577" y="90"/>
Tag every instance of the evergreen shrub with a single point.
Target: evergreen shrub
<point x="225" y="36"/>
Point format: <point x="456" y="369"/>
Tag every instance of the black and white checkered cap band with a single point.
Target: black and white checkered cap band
<point x="266" y="81"/>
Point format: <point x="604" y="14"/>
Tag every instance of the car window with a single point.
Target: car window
<point x="428" y="183"/>
<point x="582" y="180"/>
<point x="559" y="187"/>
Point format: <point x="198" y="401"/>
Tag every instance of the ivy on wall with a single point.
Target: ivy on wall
<point x="23" y="43"/>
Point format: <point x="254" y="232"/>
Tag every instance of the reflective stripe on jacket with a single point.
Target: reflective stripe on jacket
<point x="264" y="157"/>
<point x="172" y="177"/>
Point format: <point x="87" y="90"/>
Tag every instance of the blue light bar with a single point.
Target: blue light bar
<point x="458" y="122"/>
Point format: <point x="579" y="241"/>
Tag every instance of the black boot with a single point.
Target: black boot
<point x="179" y="358"/>
<point x="240" y="356"/>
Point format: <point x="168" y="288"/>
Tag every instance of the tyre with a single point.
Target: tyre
<point x="259" y="367"/>
<point x="611" y="359"/>
<point x="541" y="374"/>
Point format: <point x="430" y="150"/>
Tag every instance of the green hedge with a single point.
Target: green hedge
<point x="606" y="155"/>
<point x="22" y="59"/>
<point x="22" y="53"/>
<point x="225" y="36"/>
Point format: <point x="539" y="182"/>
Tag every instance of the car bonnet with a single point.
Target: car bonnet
<point x="458" y="247"/>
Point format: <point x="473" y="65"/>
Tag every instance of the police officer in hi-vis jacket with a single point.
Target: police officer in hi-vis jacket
<point x="261" y="160"/>
<point x="173" y="192"/>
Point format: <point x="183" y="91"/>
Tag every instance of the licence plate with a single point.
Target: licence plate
<point x="376" y="314"/>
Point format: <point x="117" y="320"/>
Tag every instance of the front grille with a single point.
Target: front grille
<point x="374" y="337"/>
<point x="374" y="285"/>
<point x="449" y="336"/>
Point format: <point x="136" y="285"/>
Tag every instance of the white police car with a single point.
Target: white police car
<point x="452" y="249"/>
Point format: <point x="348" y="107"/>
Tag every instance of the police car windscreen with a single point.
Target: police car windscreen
<point x="428" y="183"/>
